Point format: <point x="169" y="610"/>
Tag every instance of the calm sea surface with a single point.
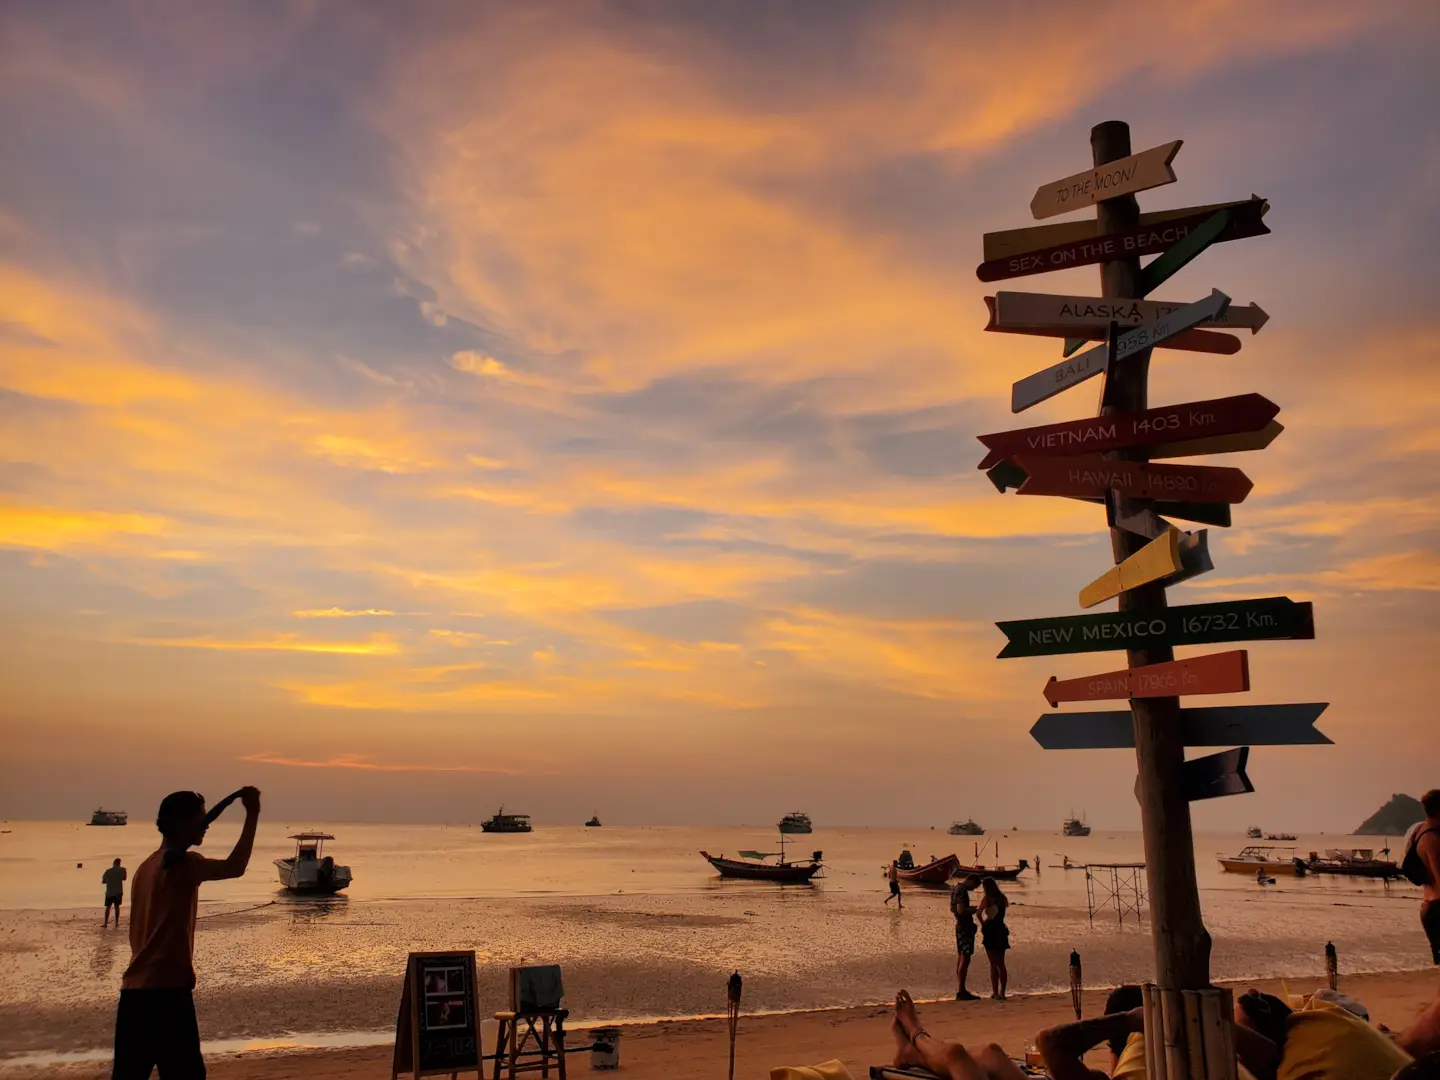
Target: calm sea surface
<point x="642" y="925"/>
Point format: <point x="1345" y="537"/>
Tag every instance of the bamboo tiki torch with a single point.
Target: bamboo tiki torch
<point x="732" y="1011"/>
<point x="1075" y="982"/>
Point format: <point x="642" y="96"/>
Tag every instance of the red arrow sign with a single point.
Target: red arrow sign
<point x="1206" y="341"/>
<point x="1245" y="221"/>
<point x="1218" y="673"/>
<point x="1088" y="476"/>
<point x="1153" y="427"/>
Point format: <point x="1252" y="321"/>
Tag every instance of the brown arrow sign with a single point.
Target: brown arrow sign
<point x="1138" y="172"/>
<point x="1217" y="673"/>
<point x="1171" y="425"/>
<point x="1090" y="317"/>
<point x="1089" y="476"/>
<point x="1246" y="220"/>
<point x="1206" y="341"/>
<point x="1007" y="242"/>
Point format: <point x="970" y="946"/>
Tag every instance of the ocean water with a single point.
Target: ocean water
<point x="642" y="925"/>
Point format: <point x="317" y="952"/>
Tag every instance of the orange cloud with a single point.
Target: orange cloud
<point x="363" y="763"/>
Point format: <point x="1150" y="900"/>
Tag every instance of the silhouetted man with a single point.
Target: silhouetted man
<point x="114" y="879"/>
<point x="155" y="1022"/>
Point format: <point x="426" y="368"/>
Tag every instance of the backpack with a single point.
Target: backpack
<point x="1413" y="867"/>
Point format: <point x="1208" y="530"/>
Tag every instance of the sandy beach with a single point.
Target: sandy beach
<point x="682" y="1049"/>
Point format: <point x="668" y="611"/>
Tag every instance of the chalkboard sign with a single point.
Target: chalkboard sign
<point x="437" y="1029"/>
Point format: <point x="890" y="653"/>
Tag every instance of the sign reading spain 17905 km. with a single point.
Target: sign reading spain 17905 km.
<point x="1273" y="618"/>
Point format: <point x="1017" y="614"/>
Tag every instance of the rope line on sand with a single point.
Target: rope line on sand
<point x="237" y="911"/>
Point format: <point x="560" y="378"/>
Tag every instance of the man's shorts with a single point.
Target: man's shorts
<point x="1430" y="920"/>
<point x="894" y="888"/>
<point x="157" y="1028"/>
<point x="965" y="939"/>
<point x="113" y="901"/>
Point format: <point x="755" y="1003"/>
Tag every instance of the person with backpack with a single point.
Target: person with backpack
<point x="1422" y="866"/>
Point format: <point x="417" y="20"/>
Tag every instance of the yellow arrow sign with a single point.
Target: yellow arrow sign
<point x="1158" y="559"/>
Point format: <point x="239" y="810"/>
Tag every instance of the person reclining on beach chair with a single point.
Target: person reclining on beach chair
<point x="1122" y="1029"/>
<point x="948" y="1059"/>
<point x="1320" y="1041"/>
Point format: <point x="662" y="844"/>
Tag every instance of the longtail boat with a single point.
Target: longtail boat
<point x="935" y="872"/>
<point x="752" y="866"/>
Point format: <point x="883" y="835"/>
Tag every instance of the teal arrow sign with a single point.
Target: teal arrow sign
<point x="1251" y="725"/>
<point x="1269" y="619"/>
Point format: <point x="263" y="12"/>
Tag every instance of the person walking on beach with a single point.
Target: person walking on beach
<point x="1422" y="866"/>
<point x="114" y="879"/>
<point x="995" y="935"/>
<point x="894" y="875"/>
<point x="155" y="1022"/>
<point x="964" y="913"/>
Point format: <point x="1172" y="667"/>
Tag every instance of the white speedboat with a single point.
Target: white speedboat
<point x="310" y="870"/>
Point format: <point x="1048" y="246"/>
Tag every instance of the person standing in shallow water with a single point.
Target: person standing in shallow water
<point x="114" y="879"/>
<point x="965" y="930"/>
<point x="155" y="1022"/>
<point x="995" y="935"/>
<point x="894" y="875"/>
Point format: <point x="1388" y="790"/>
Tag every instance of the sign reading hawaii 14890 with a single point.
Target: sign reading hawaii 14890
<point x="1273" y="618"/>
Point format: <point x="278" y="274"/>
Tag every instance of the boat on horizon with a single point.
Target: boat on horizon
<point x="1074" y="826"/>
<point x="999" y="871"/>
<point x="1279" y="836"/>
<point x="935" y="872"/>
<point x="594" y="822"/>
<point x="796" y="824"/>
<point x="310" y="870"/>
<point x="1352" y="862"/>
<point x="507" y="823"/>
<point x="752" y="866"/>
<point x="966" y="828"/>
<point x="1254" y="832"/>
<point x="1258" y="857"/>
<point x="102" y="816"/>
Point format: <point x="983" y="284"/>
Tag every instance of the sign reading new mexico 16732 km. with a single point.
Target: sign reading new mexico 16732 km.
<point x="1273" y="618"/>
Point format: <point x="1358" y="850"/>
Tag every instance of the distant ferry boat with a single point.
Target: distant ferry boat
<point x="966" y="828"/>
<point x="109" y="817"/>
<point x="503" y="822"/>
<point x="1075" y="827"/>
<point x="792" y="824"/>
<point x="1253" y="832"/>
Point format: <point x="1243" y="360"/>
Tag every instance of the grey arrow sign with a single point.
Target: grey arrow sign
<point x="1226" y="725"/>
<point x="1043" y="385"/>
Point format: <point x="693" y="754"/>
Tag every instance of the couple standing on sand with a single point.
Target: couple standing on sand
<point x="994" y="934"/>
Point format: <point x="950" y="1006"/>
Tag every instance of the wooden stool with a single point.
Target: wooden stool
<point x="512" y="1044"/>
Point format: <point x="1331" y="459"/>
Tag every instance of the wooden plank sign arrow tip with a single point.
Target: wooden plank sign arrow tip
<point x="1138" y="172"/>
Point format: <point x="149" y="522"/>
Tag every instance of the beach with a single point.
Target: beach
<point x="859" y="1036"/>
<point x="643" y="929"/>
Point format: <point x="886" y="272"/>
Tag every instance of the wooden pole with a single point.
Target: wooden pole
<point x="1182" y="945"/>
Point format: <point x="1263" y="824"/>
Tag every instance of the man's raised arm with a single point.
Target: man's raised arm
<point x="233" y="865"/>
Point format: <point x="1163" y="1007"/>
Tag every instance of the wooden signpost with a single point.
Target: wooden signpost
<point x="1153" y="428"/>
<point x="1043" y="385"/>
<point x="1215" y="673"/>
<point x="1228" y="725"/>
<point x="1138" y="172"/>
<point x="1065" y="252"/>
<point x="1061" y="459"/>
<point x="1273" y="618"/>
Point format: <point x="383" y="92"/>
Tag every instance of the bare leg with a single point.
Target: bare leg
<point x="1004" y="975"/>
<point x="962" y="971"/>
<point x="996" y="958"/>
<point x="1423" y="1035"/>
<point x="996" y="1063"/>
<point x="916" y="1046"/>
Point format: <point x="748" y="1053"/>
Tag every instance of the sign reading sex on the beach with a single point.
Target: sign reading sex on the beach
<point x="1138" y="172"/>
<point x="1217" y="673"/>
<point x="1153" y="427"/>
<point x="1273" y="618"/>
<point x="1246" y="219"/>
<point x="437" y="1028"/>
<point x="1226" y="725"/>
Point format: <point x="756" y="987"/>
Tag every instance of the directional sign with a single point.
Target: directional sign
<point x="1202" y="513"/>
<point x="1228" y="725"/>
<point x="1217" y="673"/>
<point x="1221" y="444"/>
<point x="1043" y="385"/>
<point x="1273" y="618"/>
<point x="1046" y="313"/>
<point x="1091" y="476"/>
<point x="1138" y="172"/>
<point x="1007" y="474"/>
<point x="1171" y="425"/>
<point x="1165" y="266"/>
<point x="1216" y="775"/>
<point x="1246" y="220"/>
<point x="1007" y="242"/>
<point x="1158" y="559"/>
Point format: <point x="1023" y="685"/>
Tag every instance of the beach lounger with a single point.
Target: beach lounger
<point x="892" y="1072"/>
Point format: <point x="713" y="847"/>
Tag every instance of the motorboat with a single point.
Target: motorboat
<point x="796" y="824"/>
<point x="1258" y="857"/>
<point x="935" y="872"/>
<point x="109" y="817"/>
<point x="507" y="823"/>
<point x="966" y="828"/>
<point x="1074" y="826"/>
<point x="310" y="870"/>
<point x="1254" y="832"/>
<point x="753" y="866"/>
<point x="593" y="823"/>
<point x="1353" y="862"/>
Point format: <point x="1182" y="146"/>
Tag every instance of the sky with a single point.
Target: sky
<point x="413" y="408"/>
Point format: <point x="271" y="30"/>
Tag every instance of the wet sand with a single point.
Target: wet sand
<point x="680" y="1050"/>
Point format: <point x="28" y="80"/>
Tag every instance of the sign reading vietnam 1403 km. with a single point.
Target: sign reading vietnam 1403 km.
<point x="1172" y="423"/>
<point x="1273" y="618"/>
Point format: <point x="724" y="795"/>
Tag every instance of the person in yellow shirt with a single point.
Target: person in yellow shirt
<point x="1320" y="1041"/>
<point x="1064" y="1047"/>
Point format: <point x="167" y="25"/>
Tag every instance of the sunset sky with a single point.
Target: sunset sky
<point x="407" y="408"/>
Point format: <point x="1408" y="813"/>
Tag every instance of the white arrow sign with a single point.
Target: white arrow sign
<point x="1138" y="172"/>
<point x="1043" y="385"/>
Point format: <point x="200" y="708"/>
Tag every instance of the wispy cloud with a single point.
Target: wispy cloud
<point x="339" y="613"/>
<point x="363" y="763"/>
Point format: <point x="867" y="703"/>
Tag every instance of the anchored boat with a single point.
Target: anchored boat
<point x="1273" y="860"/>
<point x="1353" y="862"/>
<point x="310" y="870"/>
<point x="935" y="872"/>
<point x="796" y="824"/>
<point x="966" y="828"/>
<point x="752" y="866"/>
<point x="109" y="817"/>
<point x="1074" y="826"/>
<point x="509" y="823"/>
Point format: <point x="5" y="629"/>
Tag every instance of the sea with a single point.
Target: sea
<point x="640" y="923"/>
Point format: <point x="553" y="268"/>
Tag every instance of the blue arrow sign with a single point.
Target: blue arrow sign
<point x="1226" y="725"/>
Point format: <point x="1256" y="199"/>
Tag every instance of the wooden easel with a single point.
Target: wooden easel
<point x="521" y="1046"/>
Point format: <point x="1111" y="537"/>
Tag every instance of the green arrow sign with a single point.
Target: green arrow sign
<point x="1269" y="619"/>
